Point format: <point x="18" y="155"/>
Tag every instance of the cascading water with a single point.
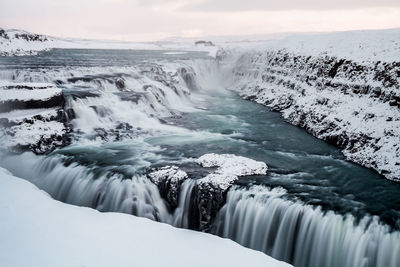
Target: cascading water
<point x="104" y="190"/>
<point x="182" y="214"/>
<point x="303" y="235"/>
<point x="128" y="119"/>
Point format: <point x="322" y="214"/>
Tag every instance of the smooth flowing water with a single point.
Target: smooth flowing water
<point x="313" y="208"/>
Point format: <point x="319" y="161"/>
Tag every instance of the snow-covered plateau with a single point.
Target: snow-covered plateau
<point x="39" y="231"/>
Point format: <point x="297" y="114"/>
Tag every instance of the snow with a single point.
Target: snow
<point x="20" y="115"/>
<point x="171" y="173"/>
<point x="230" y="167"/>
<point x="27" y="91"/>
<point x="27" y="134"/>
<point x="25" y="85"/>
<point x="359" y="46"/>
<point x="36" y="128"/>
<point x="36" y="230"/>
<point x="26" y="95"/>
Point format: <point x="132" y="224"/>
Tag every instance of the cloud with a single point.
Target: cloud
<point x="274" y="5"/>
<point x="142" y="20"/>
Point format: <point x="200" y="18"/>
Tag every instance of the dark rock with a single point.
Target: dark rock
<point x="376" y="92"/>
<point x="54" y="101"/>
<point x="80" y="93"/>
<point x="209" y="200"/>
<point x="120" y="83"/>
<point x="205" y="43"/>
<point x="333" y="71"/>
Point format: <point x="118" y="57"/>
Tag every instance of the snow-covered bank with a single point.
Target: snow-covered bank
<point x="36" y="230"/>
<point x="350" y="98"/>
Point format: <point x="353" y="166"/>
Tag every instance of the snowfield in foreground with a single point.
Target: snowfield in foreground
<point x="36" y="230"/>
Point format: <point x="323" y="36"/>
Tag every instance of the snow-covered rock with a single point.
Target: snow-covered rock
<point x="351" y="100"/>
<point x="168" y="179"/>
<point x="212" y="189"/>
<point x="20" y="43"/>
<point x="36" y="230"/>
<point x="29" y="95"/>
<point x="230" y="167"/>
<point x="171" y="173"/>
<point x="209" y="191"/>
<point x="31" y="117"/>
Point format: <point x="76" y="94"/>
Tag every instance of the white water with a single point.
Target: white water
<point x="303" y="235"/>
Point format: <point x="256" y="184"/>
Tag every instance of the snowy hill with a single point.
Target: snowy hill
<point x="17" y="42"/>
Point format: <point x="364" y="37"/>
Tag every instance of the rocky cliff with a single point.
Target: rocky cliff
<point x="351" y="103"/>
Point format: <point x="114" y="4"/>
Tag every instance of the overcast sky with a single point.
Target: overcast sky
<point x="142" y="20"/>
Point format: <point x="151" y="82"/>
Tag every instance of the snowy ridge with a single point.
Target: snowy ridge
<point x="131" y="241"/>
<point x="354" y="104"/>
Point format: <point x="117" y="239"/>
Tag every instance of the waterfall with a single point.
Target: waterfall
<point x="182" y="214"/>
<point x="303" y="235"/>
<point x="100" y="189"/>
